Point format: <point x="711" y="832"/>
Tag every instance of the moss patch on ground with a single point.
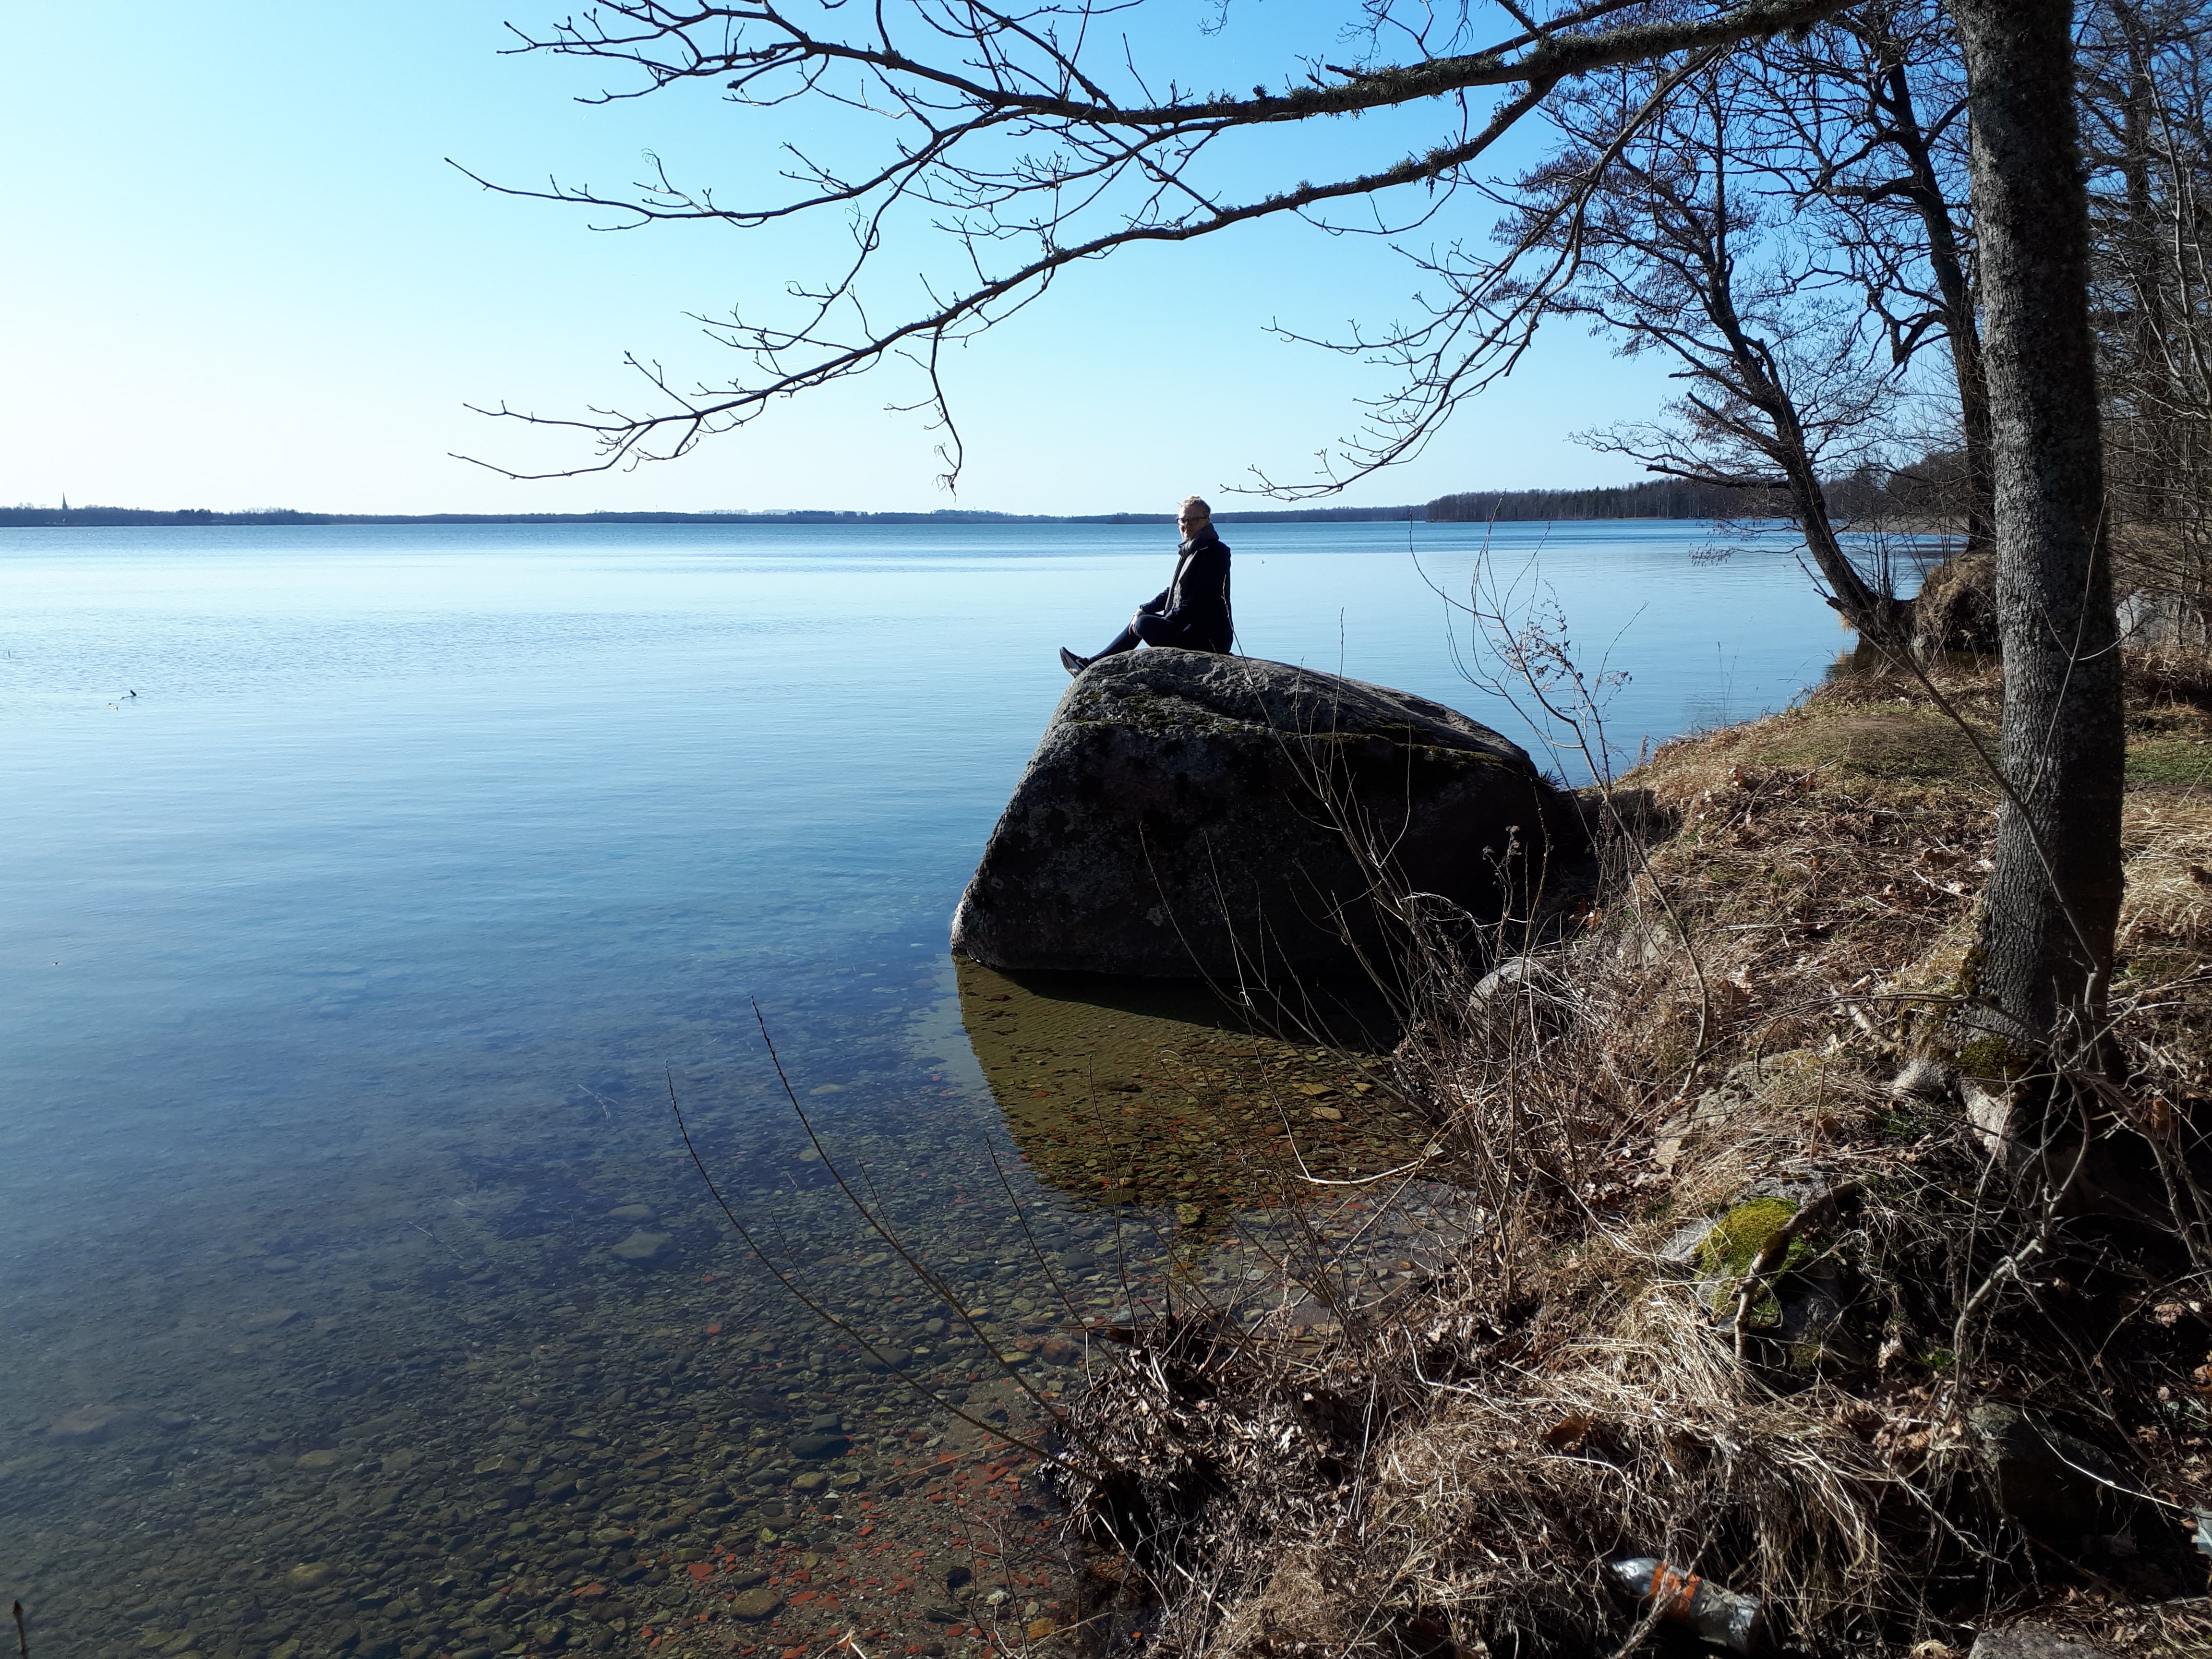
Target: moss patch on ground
<point x="1738" y="1237"/>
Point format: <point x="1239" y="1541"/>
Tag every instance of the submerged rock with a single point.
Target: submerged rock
<point x="89" y="1423"/>
<point x="641" y="1247"/>
<point x="754" y="1605"/>
<point x="1187" y="813"/>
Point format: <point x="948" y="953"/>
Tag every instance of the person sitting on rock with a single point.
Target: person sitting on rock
<point x="1192" y="610"/>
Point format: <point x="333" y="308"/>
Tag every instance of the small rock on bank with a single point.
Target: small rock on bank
<point x="2035" y="1642"/>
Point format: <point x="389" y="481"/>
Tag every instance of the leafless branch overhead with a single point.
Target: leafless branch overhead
<point x="1021" y="142"/>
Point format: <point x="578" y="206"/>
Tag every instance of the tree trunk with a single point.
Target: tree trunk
<point x="2054" y="898"/>
<point x="1956" y="609"/>
<point x="1947" y="262"/>
<point x="1876" y="617"/>
<point x="1880" y="618"/>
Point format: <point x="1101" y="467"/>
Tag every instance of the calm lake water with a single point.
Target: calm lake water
<point x="368" y="889"/>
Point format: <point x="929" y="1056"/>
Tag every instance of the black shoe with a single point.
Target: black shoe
<point x="1074" y="664"/>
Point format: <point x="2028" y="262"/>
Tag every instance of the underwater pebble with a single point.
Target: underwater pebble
<point x="641" y="1247"/>
<point x="754" y="1605"/>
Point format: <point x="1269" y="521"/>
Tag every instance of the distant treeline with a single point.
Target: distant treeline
<point x="1924" y="487"/>
<point x="1282" y="515"/>
<point x="1663" y="498"/>
<point x="101" y="517"/>
<point x="1931" y="488"/>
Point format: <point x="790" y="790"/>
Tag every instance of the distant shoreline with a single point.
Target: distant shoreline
<point x="1659" y="499"/>
<point x="82" y="518"/>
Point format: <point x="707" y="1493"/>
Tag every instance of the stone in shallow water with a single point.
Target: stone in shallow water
<point x="88" y="1422"/>
<point x="754" y="1605"/>
<point x="641" y="1247"/>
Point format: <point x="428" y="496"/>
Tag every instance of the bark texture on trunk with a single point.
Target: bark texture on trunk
<point x="2054" y="898"/>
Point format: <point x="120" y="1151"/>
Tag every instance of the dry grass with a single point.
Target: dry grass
<point x="1755" y="1008"/>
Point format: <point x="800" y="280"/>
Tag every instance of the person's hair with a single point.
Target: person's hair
<point x="1190" y="504"/>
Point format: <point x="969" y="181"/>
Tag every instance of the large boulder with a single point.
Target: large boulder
<point x="1187" y="813"/>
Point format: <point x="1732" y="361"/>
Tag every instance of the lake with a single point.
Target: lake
<point x="370" y="892"/>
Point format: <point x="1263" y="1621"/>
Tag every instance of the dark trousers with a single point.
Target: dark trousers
<point x="1149" y="628"/>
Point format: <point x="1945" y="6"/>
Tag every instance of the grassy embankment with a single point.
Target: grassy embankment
<point x="1748" y="1295"/>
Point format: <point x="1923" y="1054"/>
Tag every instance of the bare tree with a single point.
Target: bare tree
<point x="1790" y="228"/>
<point x="2147" y="103"/>
<point x="1661" y="217"/>
<point x="1867" y="114"/>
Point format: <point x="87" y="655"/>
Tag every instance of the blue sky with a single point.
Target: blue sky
<point x="243" y="275"/>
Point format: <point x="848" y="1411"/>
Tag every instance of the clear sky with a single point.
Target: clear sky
<point x="241" y="274"/>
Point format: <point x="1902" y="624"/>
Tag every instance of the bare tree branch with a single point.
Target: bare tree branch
<point x="1030" y="150"/>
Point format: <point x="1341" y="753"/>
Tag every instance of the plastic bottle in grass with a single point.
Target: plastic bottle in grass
<point x="1716" y="1615"/>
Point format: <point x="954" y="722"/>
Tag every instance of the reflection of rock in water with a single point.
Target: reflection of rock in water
<point x="1153" y="1092"/>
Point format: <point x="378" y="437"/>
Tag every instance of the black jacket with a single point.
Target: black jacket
<point x="1198" y="597"/>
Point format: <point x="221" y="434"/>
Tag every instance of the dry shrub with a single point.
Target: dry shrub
<point x="1753" y="1006"/>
